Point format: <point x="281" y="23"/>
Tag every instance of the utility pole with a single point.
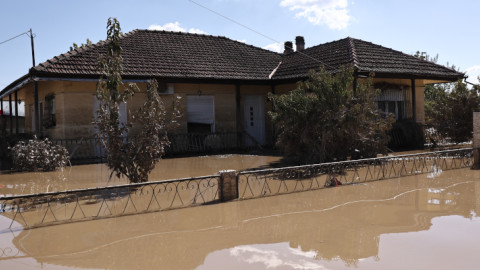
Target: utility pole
<point x="35" y="89"/>
<point x="33" y="50"/>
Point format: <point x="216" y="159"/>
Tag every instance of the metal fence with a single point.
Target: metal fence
<point x="91" y="149"/>
<point x="83" y="149"/>
<point x="254" y="184"/>
<point x="35" y="210"/>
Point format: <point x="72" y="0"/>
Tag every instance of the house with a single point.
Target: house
<point x="223" y="83"/>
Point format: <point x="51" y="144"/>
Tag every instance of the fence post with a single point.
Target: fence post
<point x="476" y="141"/>
<point x="228" y="185"/>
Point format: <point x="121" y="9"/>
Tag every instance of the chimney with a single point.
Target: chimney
<point x="288" y="47"/>
<point x="300" y="43"/>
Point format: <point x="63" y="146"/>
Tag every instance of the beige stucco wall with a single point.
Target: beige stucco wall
<point x="74" y="104"/>
<point x="73" y="107"/>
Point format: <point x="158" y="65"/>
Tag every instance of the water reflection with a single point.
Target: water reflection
<point x="349" y="226"/>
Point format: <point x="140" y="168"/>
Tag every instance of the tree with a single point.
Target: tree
<point x="75" y="45"/>
<point x="134" y="158"/>
<point x="324" y="119"/>
<point x="449" y="109"/>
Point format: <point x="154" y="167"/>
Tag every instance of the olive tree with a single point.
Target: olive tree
<point x="135" y="157"/>
<point x="324" y="119"/>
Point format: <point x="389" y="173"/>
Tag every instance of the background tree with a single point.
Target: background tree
<point x="449" y="109"/>
<point x="75" y="45"/>
<point x="324" y="119"/>
<point x="136" y="157"/>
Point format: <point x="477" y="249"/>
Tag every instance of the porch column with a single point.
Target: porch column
<point x="16" y="112"/>
<point x="274" y="131"/>
<point x="11" y="112"/>
<point x="414" y="103"/>
<point x="37" y="117"/>
<point x="2" y="124"/>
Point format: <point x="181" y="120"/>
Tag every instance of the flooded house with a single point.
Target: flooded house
<point x="223" y="83"/>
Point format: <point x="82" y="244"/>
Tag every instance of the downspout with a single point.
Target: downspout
<point x="11" y="112"/>
<point x="238" y="113"/>
<point x="1" y="115"/>
<point x="16" y="112"/>
<point x="37" y="117"/>
<point x="274" y="133"/>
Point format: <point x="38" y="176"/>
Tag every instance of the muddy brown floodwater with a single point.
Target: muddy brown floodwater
<point x="98" y="175"/>
<point x="428" y="221"/>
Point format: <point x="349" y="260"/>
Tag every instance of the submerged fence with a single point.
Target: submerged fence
<point x="254" y="184"/>
<point x="28" y="211"/>
<point x="36" y="210"/>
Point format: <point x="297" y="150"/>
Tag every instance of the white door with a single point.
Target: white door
<point x="254" y="117"/>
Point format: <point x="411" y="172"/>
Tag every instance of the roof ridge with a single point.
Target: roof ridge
<point x="352" y="52"/>
<point x="78" y="51"/>
<point x="408" y="55"/>
<point x="323" y="44"/>
<point x="206" y="35"/>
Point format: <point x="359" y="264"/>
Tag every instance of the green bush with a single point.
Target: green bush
<point x="38" y="155"/>
<point x="326" y="120"/>
<point x="449" y="109"/>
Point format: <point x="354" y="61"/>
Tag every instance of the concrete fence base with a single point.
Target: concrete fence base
<point x="228" y="186"/>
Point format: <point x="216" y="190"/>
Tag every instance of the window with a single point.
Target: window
<point x="200" y="114"/>
<point x="392" y="100"/>
<point x="394" y="107"/>
<point x="49" y="119"/>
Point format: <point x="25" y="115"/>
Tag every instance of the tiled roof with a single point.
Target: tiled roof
<point x="171" y="55"/>
<point x="175" y="55"/>
<point x="366" y="57"/>
<point x="331" y="55"/>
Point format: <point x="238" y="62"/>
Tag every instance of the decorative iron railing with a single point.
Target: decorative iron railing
<point x="84" y="149"/>
<point x="91" y="149"/>
<point x="254" y="184"/>
<point x="37" y="210"/>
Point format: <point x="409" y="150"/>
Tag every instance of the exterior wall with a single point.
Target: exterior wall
<point x="284" y="88"/>
<point x="74" y="110"/>
<point x="224" y="104"/>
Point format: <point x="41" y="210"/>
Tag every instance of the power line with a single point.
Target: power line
<point x="257" y="32"/>
<point x="24" y="33"/>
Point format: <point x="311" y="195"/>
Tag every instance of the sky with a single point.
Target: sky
<point x="447" y="28"/>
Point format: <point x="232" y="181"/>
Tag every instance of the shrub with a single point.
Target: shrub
<point x="325" y="119"/>
<point x="38" y="155"/>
